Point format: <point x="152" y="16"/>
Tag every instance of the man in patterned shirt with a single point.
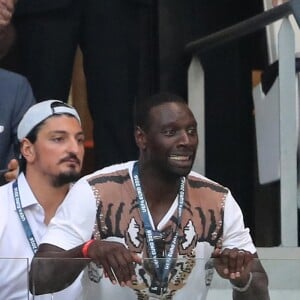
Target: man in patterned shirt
<point x="157" y="213"/>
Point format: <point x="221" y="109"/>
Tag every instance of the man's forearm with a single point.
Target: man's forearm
<point x="54" y="269"/>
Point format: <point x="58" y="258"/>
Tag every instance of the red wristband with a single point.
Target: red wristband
<point x="85" y="248"/>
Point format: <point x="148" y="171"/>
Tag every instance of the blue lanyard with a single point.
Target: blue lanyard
<point x="23" y="219"/>
<point x="151" y="235"/>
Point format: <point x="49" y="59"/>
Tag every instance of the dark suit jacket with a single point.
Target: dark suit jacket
<point x="37" y="6"/>
<point x="15" y="98"/>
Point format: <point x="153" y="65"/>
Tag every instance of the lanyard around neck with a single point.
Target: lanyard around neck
<point x="23" y="219"/>
<point x="152" y="234"/>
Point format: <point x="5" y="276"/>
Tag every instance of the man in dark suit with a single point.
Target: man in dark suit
<point x="109" y="35"/>
<point x="15" y="98"/>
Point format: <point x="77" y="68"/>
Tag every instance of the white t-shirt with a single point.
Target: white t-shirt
<point x="15" y="252"/>
<point x="189" y="278"/>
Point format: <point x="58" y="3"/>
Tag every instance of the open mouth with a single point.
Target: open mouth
<point x="180" y="157"/>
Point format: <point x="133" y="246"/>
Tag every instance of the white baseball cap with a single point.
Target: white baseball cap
<point x="40" y="112"/>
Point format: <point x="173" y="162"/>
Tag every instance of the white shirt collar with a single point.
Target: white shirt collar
<point x="26" y="195"/>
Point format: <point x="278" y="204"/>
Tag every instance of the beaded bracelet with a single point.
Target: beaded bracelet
<point x="245" y="287"/>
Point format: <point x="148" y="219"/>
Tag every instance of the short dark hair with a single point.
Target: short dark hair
<point x="32" y="136"/>
<point x="142" y="108"/>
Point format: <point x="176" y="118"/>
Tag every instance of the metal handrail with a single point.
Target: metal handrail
<point x="245" y="27"/>
<point x="287" y="98"/>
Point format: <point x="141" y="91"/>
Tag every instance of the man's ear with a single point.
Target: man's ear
<point x="27" y="150"/>
<point x="140" y="138"/>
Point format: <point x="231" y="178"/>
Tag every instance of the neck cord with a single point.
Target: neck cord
<point x="30" y="237"/>
<point x="151" y="234"/>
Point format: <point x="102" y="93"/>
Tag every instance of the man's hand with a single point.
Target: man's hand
<point x="234" y="264"/>
<point x="13" y="170"/>
<point x="6" y="11"/>
<point x="278" y="2"/>
<point x="117" y="261"/>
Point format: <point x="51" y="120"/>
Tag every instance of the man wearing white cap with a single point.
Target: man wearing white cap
<point x="52" y="148"/>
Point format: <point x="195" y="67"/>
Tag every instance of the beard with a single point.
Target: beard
<point x="65" y="178"/>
